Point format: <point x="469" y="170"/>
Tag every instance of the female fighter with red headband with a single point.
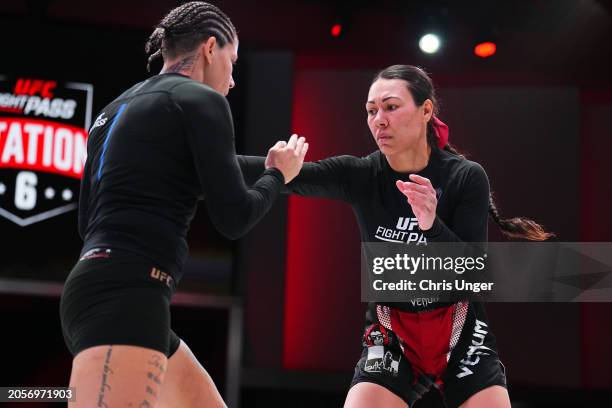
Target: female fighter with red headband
<point x="409" y="348"/>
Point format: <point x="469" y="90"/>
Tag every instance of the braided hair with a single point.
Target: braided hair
<point x="186" y="26"/>
<point x="421" y="87"/>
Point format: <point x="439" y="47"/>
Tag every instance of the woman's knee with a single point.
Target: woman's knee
<point x="495" y="396"/>
<point x="366" y="394"/>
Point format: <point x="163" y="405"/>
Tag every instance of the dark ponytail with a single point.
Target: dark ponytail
<point x="421" y="88"/>
<point x="517" y="227"/>
<point x="186" y="26"/>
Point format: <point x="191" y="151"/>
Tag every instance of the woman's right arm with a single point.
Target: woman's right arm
<point x="233" y="208"/>
<point x="333" y="178"/>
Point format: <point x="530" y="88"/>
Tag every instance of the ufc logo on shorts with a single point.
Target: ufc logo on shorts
<point x="161" y="276"/>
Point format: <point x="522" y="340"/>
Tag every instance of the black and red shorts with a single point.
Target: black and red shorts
<point x="449" y="348"/>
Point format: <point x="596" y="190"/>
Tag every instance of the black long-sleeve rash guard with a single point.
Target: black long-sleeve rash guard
<point x="152" y="154"/>
<point x="382" y="211"/>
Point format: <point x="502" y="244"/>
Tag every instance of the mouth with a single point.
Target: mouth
<point x="383" y="137"/>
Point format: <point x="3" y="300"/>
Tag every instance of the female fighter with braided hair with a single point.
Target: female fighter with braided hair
<point x="409" y="348"/>
<point x="152" y="154"/>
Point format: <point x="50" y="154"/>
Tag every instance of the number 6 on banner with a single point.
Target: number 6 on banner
<point x="25" y="190"/>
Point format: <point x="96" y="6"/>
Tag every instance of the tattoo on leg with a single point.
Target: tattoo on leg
<point x="154" y="377"/>
<point x="106" y="373"/>
<point x="156" y="362"/>
<point x="151" y="391"/>
<point x="157" y="370"/>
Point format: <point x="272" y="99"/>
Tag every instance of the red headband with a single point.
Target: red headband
<point x="441" y="130"/>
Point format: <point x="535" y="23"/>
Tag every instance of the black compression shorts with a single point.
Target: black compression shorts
<point x="117" y="297"/>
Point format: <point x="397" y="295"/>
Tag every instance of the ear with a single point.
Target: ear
<point x="208" y="47"/>
<point x="427" y="109"/>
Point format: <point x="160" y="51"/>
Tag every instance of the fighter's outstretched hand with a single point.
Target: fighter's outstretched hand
<point x="421" y="197"/>
<point x="288" y="157"/>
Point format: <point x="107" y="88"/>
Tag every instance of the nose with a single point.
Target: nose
<point x="380" y="120"/>
<point x="232" y="83"/>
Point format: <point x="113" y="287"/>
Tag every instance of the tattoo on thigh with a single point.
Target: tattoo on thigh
<point x="154" y="378"/>
<point x="106" y="373"/>
<point x="154" y="373"/>
<point x="156" y="361"/>
<point x="151" y="391"/>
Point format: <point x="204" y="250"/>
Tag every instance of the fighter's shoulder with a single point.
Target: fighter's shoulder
<point x="187" y="91"/>
<point x="459" y="165"/>
<point x="373" y="162"/>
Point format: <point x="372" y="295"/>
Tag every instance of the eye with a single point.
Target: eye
<point x="371" y="112"/>
<point x="392" y="107"/>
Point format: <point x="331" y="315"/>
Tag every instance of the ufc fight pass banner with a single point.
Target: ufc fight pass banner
<point x="43" y="146"/>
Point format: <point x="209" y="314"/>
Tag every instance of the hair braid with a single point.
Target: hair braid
<point x="153" y="46"/>
<point x="186" y="26"/>
<point x="518" y="227"/>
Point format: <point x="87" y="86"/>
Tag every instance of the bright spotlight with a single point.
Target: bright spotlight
<point x="429" y="43"/>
